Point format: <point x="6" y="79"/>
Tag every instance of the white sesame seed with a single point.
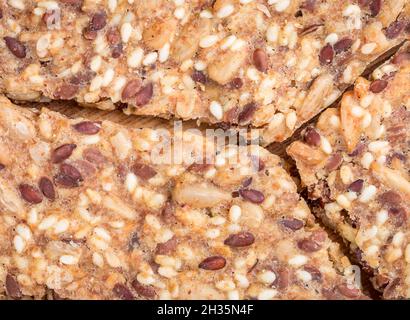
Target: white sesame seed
<point x="208" y="41"/>
<point x="61" y="226"/>
<point x="325" y="145"/>
<point x="126" y="32"/>
<point x="108" y="76"/>
<point x="331" y="38"/>
<point x="135" y="58"/>
<point x="225" y="11"/>
<point x="298" y="260"/>
<point x="216" y="109"/>
<point x="267" y="294"/>
<point x="179" y="13"/>
<point x="267" y="277"/>
<point x="164" y="53"/>
<point x="98" y="259"/>
<point x="228" y="42"/>
<point x="272" y="33"/>
<point x="213" y="233"/>
<point x="368" y="194"/>
<point x="95" y="63"/>
<point x="17" y="4"/>
<point x="398" y="239"/>
<point x="282" y="5"/>
<point x="235" y="213"/>
<point x="382" y="216"/>
<point x="19" y="244"/>
<point x="233" y="295"/>
<point x="96" y="83"/>
<point x="206" y="14"/>
<point x="357" y="111"/>
<point x="150" y="58"/>
<point x="68" y="260"/>
<point x="47" y="223"/>
<point x="112" y="259"/>
<point x="343" y="201"/>
<point x="291" y="119"/>
<point x="368" y="48"/>
<point x="378" y="146"/>
<point x="367" y="160"/>
<point x="167" y="272"/>
<point x="24" y="231"/>
<point x="304" y="275"/>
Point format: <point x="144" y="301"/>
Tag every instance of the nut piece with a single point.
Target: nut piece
<point x="199" y="195"/>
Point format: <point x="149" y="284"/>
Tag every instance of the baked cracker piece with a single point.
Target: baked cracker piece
<point x="270" y="64"/>
<point x="87" y="211"/>
<point x="355" y="163"/>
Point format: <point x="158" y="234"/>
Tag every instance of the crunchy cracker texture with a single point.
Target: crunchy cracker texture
<point x="355" y="163"/>
<point x="86" y="214"/>
<point x="272" y="64"/>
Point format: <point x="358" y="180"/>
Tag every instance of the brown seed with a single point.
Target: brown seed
<point x="252" y="195"/>
<point x="30" y="194"/>
<point x="122" y="292"/>
<point x="98" y="21"/>
<point x="311" y="137"/>
<point x="89" y="34"/>
<point x="62" y="153"/>
<point x="93" y="155"/>
<point x="68" y="176"/>
<point x="88" y="127"/>
<point x="116" y="51"/>
<point x="283" y="278"/>
<point x="66" y="91"/>
<point x="16" y="47"/>
<point x="401" y="57"/>
<point x="134" y="241"/>
<point x="113" y="36"/>
<point x="334" y="161"/>
<point x="2" y="166"/>
<point x="47" y="188"/>
<point x="236" y="83"/>
<point x="260" y="60"/>
<point x="348" y="292"/>
<point x="398" y="216"/>
<point x="142" y="290"/>
<point x="131" y="89"/>
<point x="394" y="29"/>
<point x="12" y="287"/>
<point x="1" y="13"/>
<point x="293" y="224"/>
<point x="381" y="281"/>
<point x="310" y="29"/>
<point x="247" y="113"/>
<point x="213" y="263"/>
<point x="358" y="150"/>
<point x="168" y="211"/>
<point x="390" y="198"/>
<point x="85" y="168"/>
<point x="356" y="186"/>
<point x="308" y="245"/>
<point x="199" y="167"/>
<point x="257" y="163"/>
<point x="247" y="182"/>
<point x="144" y="95"/>
<point x="309" y="5"/>
<point x="318" y="236"/>
<point x="375" y="6"/>
<point x="199" y="76"/>
<point x="378" y="86"/>
<point x="241" y="239"/>
<point x="50" y="18"/>
<point x="390" y="291"/>
<point x="167" y="247"/>
<point x="326" y="54"/>
<point x="143" y="171"/>
<point x="342" y="45"/>
<point x="314" y="272"/>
